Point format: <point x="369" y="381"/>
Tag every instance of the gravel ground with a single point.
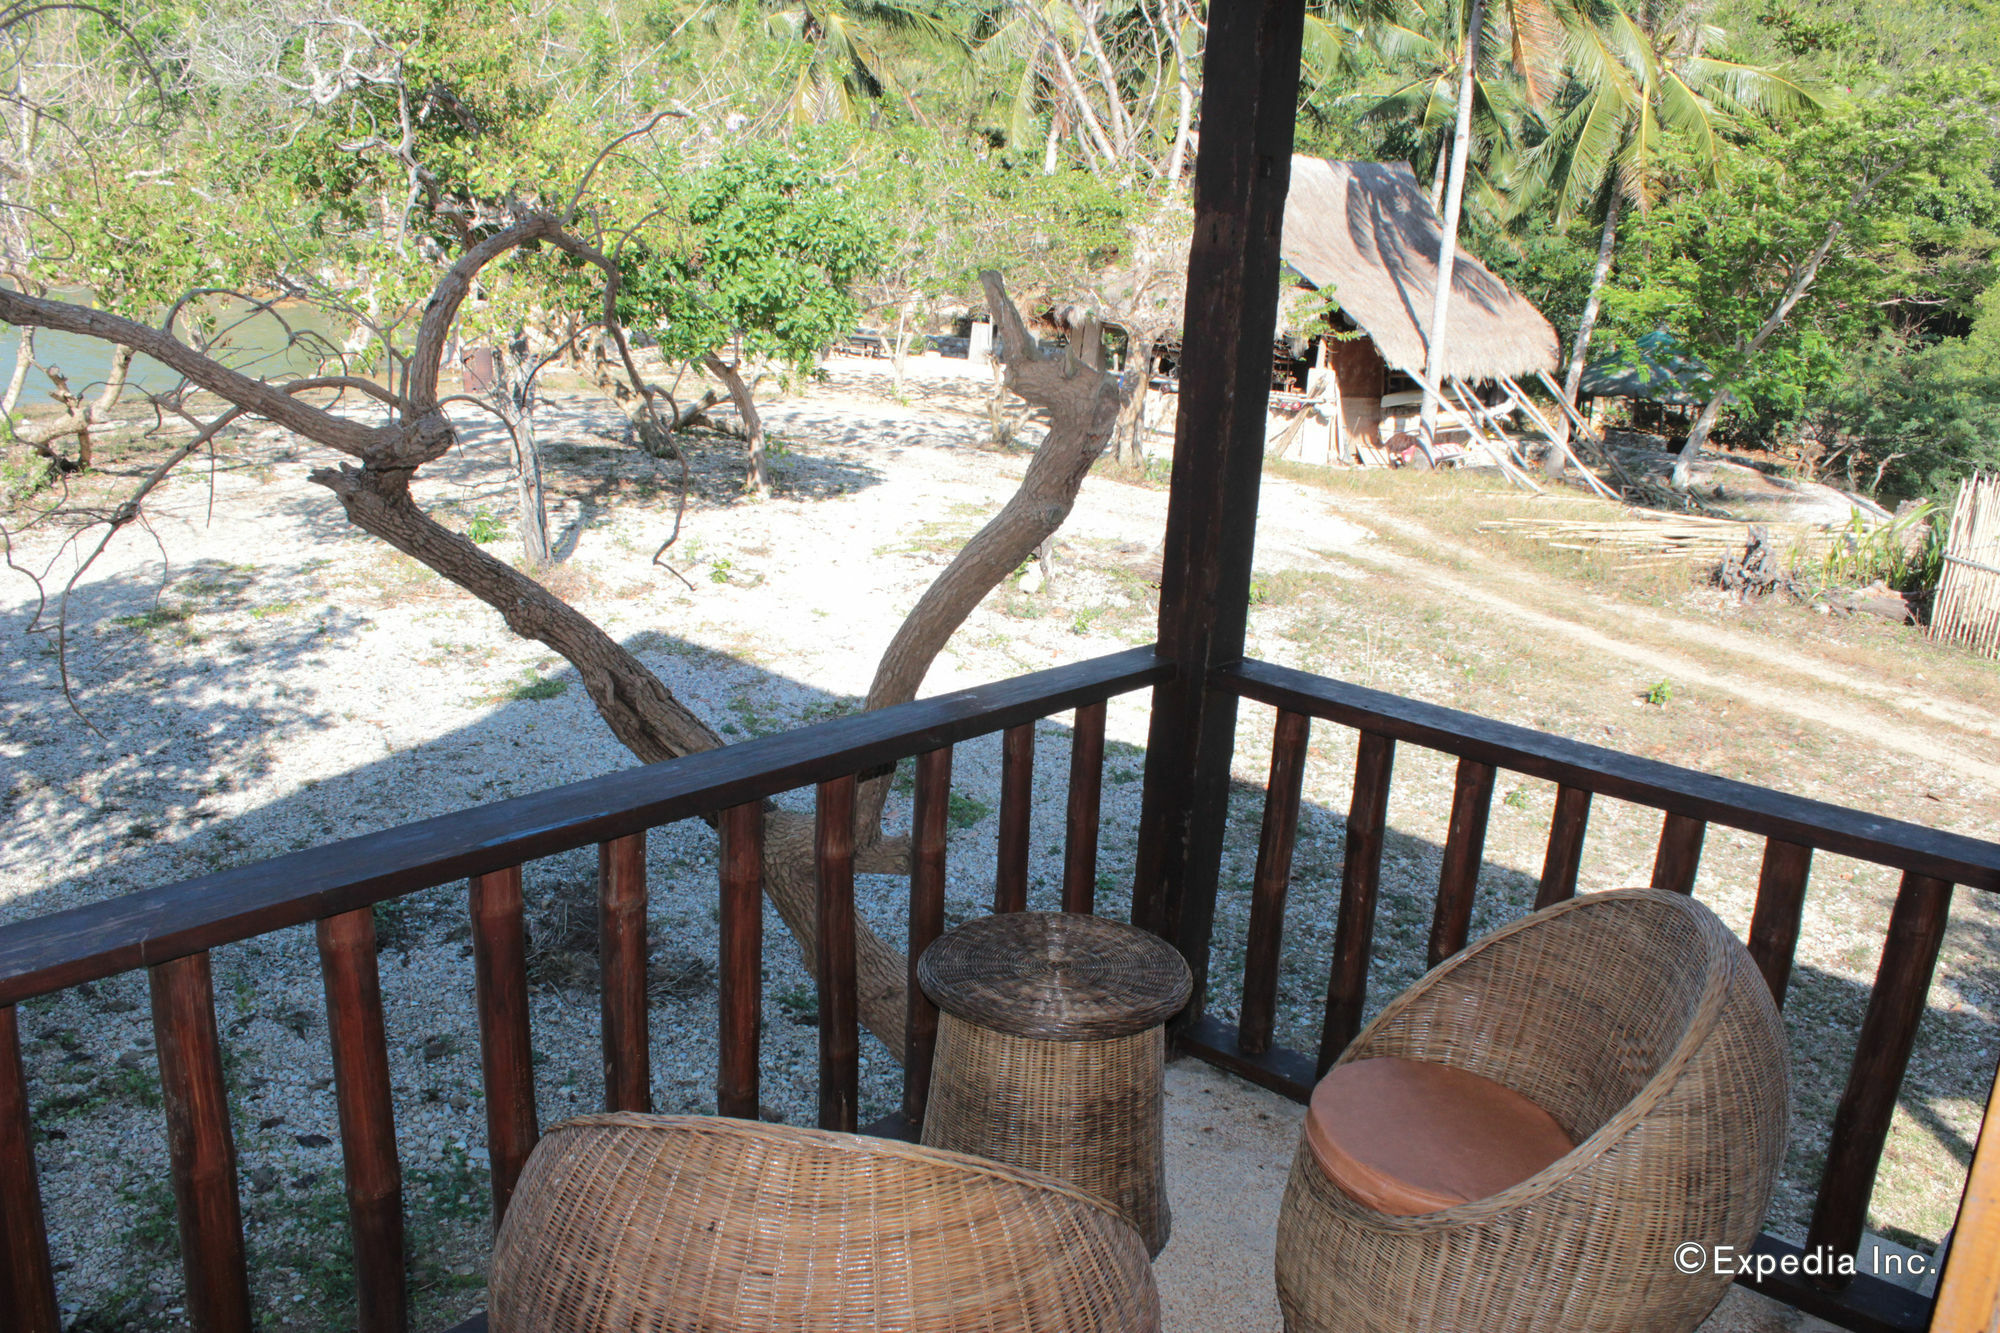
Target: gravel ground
<point x="261" y="679"/>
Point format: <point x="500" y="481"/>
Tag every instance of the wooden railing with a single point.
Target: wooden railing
<point x="169" y="931"/>
<point x="1794" y="828"/>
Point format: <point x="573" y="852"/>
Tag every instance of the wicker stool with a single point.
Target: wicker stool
<point x="1051" y="1052"/>
<point x="705" y="1225"/>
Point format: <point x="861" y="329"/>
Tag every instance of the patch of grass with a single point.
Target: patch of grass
<point x="151" y="1226"/>
<point x="800" y="1003"/>
<point x="751" y="720"/>
<point x="119" y="1085"/>
<point x="452" y="1187"/>
<point x="534" y="689"/>
<point x="22" y="476"/>
<point x="1659" y="694"/>
<point x="318" y="1246"/>
<point x="484" y="527"/>
<point x="159" y="617"/>
<point x="270" y="609"/>
<point x="966" y="810"/>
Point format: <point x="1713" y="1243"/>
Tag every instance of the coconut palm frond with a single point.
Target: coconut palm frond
<point x="1749" y="88"/>
<point x="930" y="28"/>
<point x="1534" y="39"/>
<point x="1594" y="154"/>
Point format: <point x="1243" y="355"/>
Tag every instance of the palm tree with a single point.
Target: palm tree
<point x="1637" y="81"/>
<point x="1423" y="103"/>
<point x="844" y="63"/>
<point x="1529" y="34"/>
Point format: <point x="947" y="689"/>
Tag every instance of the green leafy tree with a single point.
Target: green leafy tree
<point x="1639" y="80"/>
<point x="756" y="256"/>
<point x="1768" y="276"/>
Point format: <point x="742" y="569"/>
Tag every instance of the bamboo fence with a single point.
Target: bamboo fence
<point x="1967" y="608"/>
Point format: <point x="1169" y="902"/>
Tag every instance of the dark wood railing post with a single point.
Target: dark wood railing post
<point x="1679" y="856"/>
<point x="1360" y="882"/>
<point x="621" y="968"/>
<point x="1464" y="849"/>
<point x="1882" y="1053"/>
<point x="839" y="1014"/>
<point x="27" y="1282"/>
<point x="1017" y="781"/>
<point x="201" y="1146"/>
<point x="348" y="968"/>
<point x="1781" y="903"/>
<point x="1272" y="881"/>
<point x="929" y="826"/>
<point x="740" y="990"/>
<point x="500" y="980"/>
<point x="1565" y="855"/>
<point x="1250" y="71"/>
<point x="1086" y="796"/>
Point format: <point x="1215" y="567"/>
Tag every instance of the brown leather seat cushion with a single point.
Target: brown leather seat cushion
<point x="1405" y="1137"/>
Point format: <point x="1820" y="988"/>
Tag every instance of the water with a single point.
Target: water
<point x="256" y="344"/>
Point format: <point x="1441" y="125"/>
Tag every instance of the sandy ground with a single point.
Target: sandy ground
<point x="261" y="679"/>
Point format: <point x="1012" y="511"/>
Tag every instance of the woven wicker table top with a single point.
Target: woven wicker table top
<point x="1055" y="975"/>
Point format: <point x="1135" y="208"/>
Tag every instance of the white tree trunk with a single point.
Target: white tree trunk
<point x="24" y="357"/>
<point x="1606" y="243"/>
<point x="1454" y="199"/>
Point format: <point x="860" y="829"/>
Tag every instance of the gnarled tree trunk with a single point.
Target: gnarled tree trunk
<point x="759" y="479"/>
<point x="374" y="491"/>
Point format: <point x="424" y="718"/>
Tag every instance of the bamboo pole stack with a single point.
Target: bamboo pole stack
<point x="1670" y="538"/>
<point x="1967" y="608"/>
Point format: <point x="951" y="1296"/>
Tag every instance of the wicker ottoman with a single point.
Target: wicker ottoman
<point x="1051" y="1052"/>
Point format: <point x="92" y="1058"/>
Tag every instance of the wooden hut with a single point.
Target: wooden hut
<point x="1366" y="232"/>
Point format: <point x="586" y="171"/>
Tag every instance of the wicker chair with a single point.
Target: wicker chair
<point x="1640" y="1024"/>
<point x="708" y="1225"/>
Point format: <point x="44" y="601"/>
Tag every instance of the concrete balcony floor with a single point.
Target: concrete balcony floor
<point x="1229" y="1148"/>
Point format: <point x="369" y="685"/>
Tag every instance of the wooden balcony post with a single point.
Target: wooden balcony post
<point x="353" y="985"/>
<point x="929" y="824"/>
<point x="740" y="990"/>
<point x="839" y="1012"/>
<point x="27" y="1282"/>
<point x="1271" y="882"/>
<point x="1781" y="903"/>
<point x="1565" y="854"/>
<point x="1086" y="797"/>
<point x="201" y="1146"/>
<point x="1882" y="1053"/>
<point x="1679" y="856"/>
<point x="1242" y="173"/>
<point x="621" y="966"/>
<point x="506" y="1051"/>
<point x="1464" y="849"/>
<point x="1017" y="782"/>
<point x="1360" y="884"/>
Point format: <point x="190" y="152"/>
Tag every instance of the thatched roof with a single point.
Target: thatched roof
<point x="1367" y="231"/>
